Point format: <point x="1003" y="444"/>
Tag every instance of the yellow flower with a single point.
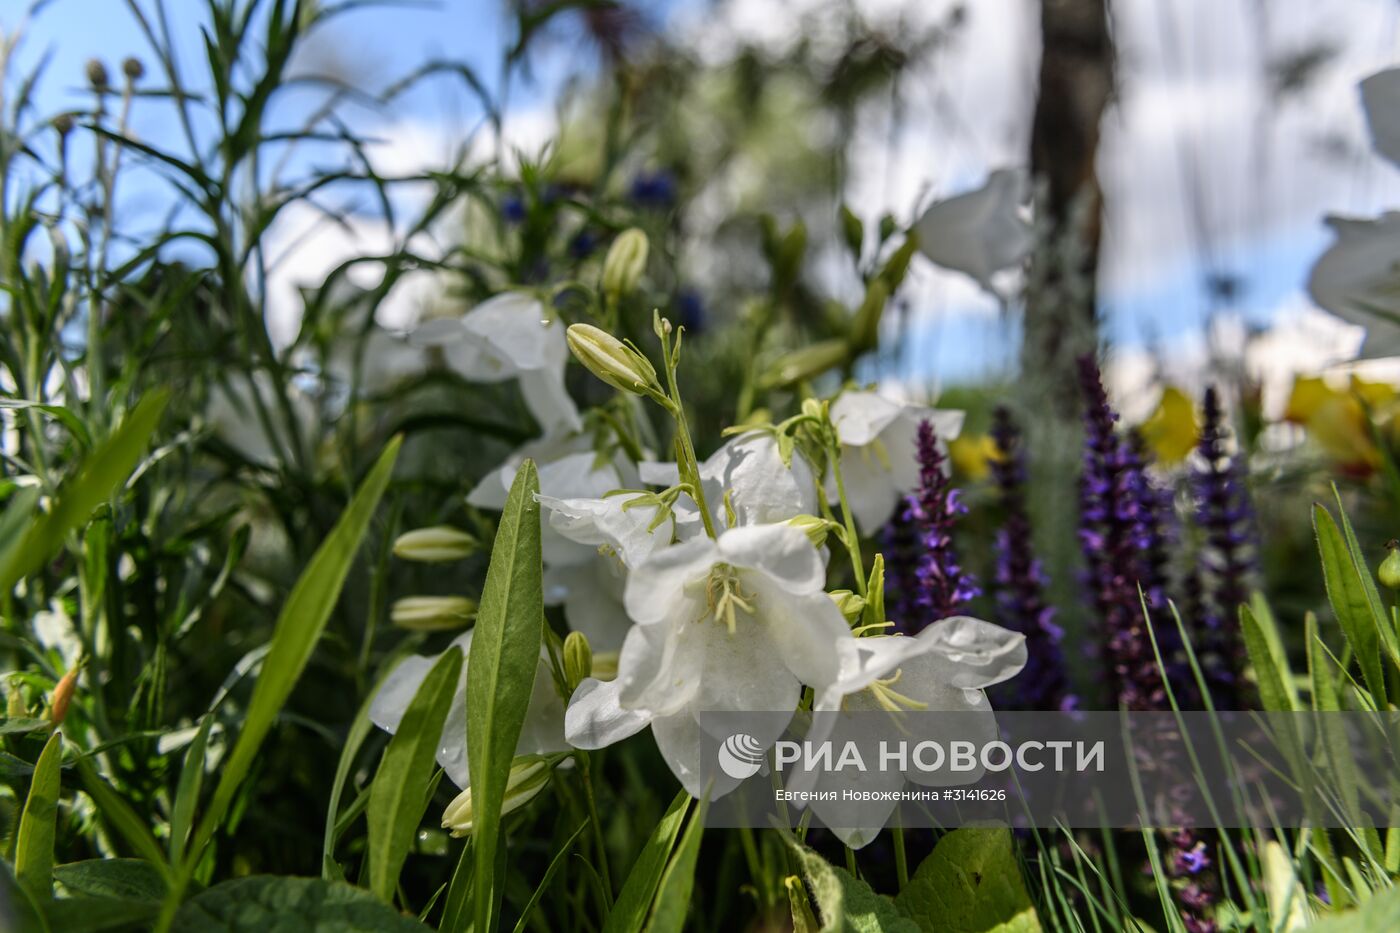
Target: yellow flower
<point x="1337" y="421"/>
<point x="1172" y="430"/>
<point x="973" y="455"/>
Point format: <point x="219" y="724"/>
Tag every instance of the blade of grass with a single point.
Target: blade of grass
<point x="501" y="671"/>
<point x="639" y="890"/>
<point x="549" y="872"/>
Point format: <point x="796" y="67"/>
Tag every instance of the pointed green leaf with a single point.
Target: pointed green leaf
<point x="678" y="881"/>
<point x="501" y="670"/>
<point x="1361" y="619"/>
<point x="130" y="879"/>
<point x="34" y="845"/>
<point x="399" y="794"/>
<point x="1270" y="667"/>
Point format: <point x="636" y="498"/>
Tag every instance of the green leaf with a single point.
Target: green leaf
<point x="95" y="914"/>
<point x="1381" y="912"/>
<point x="1360" y="617"/>
<point x="102" y="474"/>
<point x="629" y="913"/>
<point x="34" y="845"/>
<point x="131" y="879"/>
<point x="294" y="637"/>
<point x="1270" y="666"/>
<point x="187" y="794"/>
<point x="21" y="726"/>
<point x="272" y="904"/>
<point x="549" y="872"/>
<point x="18" y="912"/>
<point x="399" y="794"/>
<point x="359" y="731"/>
<point x="505" y="655"/>
<point x="678" y="881"/>
<point x="970" y="884"/>
<point x="66" y="416"/>
<point x="847" y="904"/>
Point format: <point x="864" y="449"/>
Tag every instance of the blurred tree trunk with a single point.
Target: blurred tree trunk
<point x="1076" y="85"/>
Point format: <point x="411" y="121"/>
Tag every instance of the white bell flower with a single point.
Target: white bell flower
<point x="542" y="734"/>
<point x="879" y="451"/>
<point x="1380" y="96"/>
<point x="762" y="489"/>
<point x="981" y="232"/>
<point x="734" y="624"/>
<point x="1358" y="280"/>
<point x="942" y="669"/>
<point x="510" y="336"/>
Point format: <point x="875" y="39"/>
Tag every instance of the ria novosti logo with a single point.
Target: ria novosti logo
<point x="740" y="756"/>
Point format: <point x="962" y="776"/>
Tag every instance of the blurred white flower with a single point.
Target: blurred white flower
<point x="54" y="630"/>
<point x="762" y="489"/>
<point x="543" y="733"/>
<point x="1380" y="96"/>
<point x="510" y="336"/>
<point x="232" y="413"/>
<point x="879" y="451"/>
<point x="734" y="624"/>
<point x="943" y="669"/>
<point x="980" y="232"/>
<point x="1358" y="279"/>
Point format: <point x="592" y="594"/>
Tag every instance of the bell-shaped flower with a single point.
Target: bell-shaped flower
<point x="737" y="624"/>
<point x="944" y="669"/>
<point x="510" y="336"/>
<point x="542" y="734"/>
<point x="762" y="488"/>
<point x="879" y="451"/>
<point x="1380" y="96"/>
<point x="980" y="232"/>
<point x="1358" y="280"/>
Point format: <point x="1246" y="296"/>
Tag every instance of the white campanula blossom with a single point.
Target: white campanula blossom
<point x="738" y="623"/>
<point x="586" y="583"/>
<point x="879" y="451"/>
<point x="542" y="734"/>
<point x="750" y="468"/>
<point x="980" y="232"/>
<point x="944" y="669"/>
<point x="1358" y="277"/>
<point x="510" y="336"/>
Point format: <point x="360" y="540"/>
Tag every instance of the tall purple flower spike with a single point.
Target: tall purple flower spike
<point x="1226" y="565"/>
<point x="1021" y="582"/>
<point x="1124" y="536"/>
<point x="923" y="580"/>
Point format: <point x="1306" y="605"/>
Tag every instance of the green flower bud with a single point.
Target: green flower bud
<point x="432" y="613"/>
<point x="96" y="73"/>
<point x="15" y="707"/>
<point x="578" y="660"/>
<point x="1389" y="570"/>
<point x="813" y="526"/>
<point x="850" y="604"/>
<point x="626" y="261"/>
<point x="613" y="361"/>
<point x="435" y="545"/>
<point x="807" y="363"/>
<point x="528" y="776"/>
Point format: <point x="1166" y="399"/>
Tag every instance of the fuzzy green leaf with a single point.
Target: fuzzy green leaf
<point x="271" y="904"/>
<point x="130" y="879"/>
<point x="399" y="794"/>
<point x="970" y="884"/>
<point x="501" y="670"/>
<point x="847" y="904"/>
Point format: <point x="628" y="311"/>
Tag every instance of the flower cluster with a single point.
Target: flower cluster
<point x="1020" y="580"/>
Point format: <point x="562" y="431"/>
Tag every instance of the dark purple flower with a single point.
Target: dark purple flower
<point x="690" y="307"/>
<point x="1226" y="561"/>
<point x="513" y="208"/>
<point x="583" y="244"/>
<point x="653" y="189"/>
<point x="1020" y="584"/>
<point x="924" y="581"/>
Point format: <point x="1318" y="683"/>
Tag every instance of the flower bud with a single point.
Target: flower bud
<point x="97" y="74"/>
<point x="850" y="604"/>
<point x="528" y="776"/>
<point x="133" y="69"/>
<point x="809" y="362"/>
<point x="432" y="613"/>
<point x="63" y="124"/>
<point x="605" y="665"/>
<point x="63" y="695"/>
<point x="15" y="707"/>
<point x="578" y="660"/>
<point x="627" y="259"/>
<point x="612" y="361"/>
<point x="813" y="526"/>
<point x="1389" y="570"/>
<point x="435" y="545"/>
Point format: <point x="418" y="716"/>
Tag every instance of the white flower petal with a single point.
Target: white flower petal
<point x="682" y="743"/>
<point x="659" y="668"/>
<point x="970" y="654"/>
<point x="807" y="632"/>
<point x="549" y="401"/>
<point x="515" y="330"/>
<point x="744" y="671"/>
<point x="982" y="231"/>
<point x="763" y="489"/>
<point x="860" y="417"/>
<point x="592" y="596"/>
<point x="609" y="521"/>
<point x="782" y="553"/>
<point x="1380" y="95"/>
<point x="662" y="586"/>
<point x="657" y="473"/>
<point x="1357" y="279"/>
<point x="595" y="718"/>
